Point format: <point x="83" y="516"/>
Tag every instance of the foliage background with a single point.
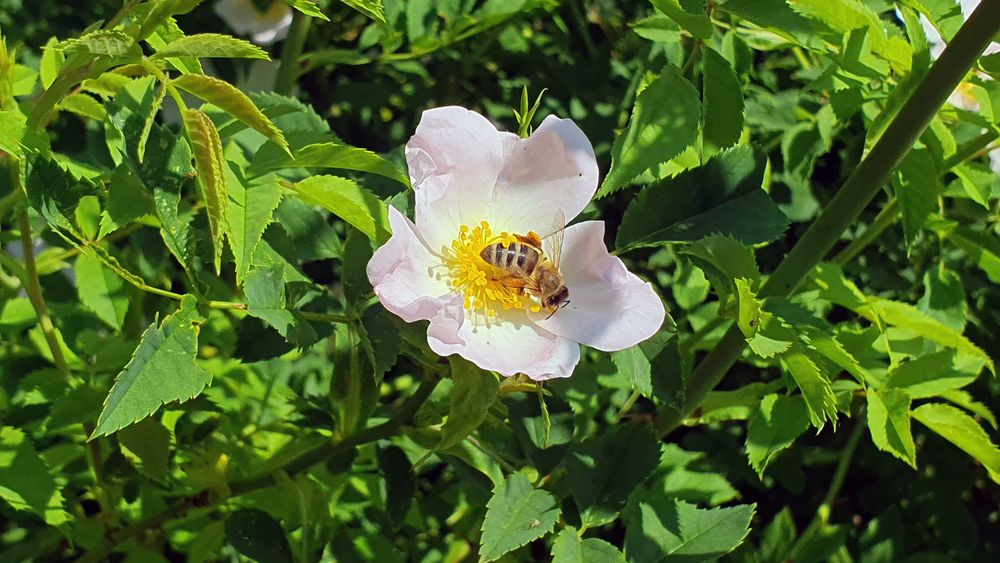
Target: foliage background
<point x="811" y="92"/>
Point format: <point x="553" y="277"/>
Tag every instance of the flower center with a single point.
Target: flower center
<point x="480" y="284"/>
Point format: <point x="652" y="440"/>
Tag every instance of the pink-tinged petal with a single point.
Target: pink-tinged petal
<point x="408" y="279"/>
<point x="454" y="159"/>
<point x="553" y="169"/>
<point x="610" y="308"/>
<point x="510" y="346"/>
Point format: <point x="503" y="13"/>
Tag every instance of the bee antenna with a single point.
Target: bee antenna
<point x="566" y="302"/>
<point x="550" y="314"/>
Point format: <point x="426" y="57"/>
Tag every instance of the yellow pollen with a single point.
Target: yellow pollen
<point x="480" y="284"/>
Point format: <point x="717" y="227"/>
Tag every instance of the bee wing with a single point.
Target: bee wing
<point x="554" y="240"/>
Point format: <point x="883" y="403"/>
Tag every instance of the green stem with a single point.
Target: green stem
<point x="822" y="516"/>
<point x="34" y="291"/>
<point x="288" y="68"/>
<point x="857" y="192"/>
<point x="291" y="467"/>
<point x="581" y="27"/>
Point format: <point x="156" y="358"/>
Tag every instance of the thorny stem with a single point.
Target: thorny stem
<point x="857" y="192"/>
<point x="291" y="467"/>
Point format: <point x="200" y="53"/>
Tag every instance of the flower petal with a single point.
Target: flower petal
<point x="510" y="346"/>
<point x="454" y="159"/>
<point x="553" y="169"/>
<point x="408" y="279"/>
<point x="610" y="308"/>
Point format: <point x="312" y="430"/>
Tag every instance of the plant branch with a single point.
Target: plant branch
<point x="288" y="68"/>
<point x="291" y="467"/>
<point x="857" y="192"/>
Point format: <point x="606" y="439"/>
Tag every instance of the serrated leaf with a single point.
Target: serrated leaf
<point x="111" y="42"/>
<point x="257" y="535"/>
<point x="101" y="291"/>
<point x="813" y="384"/>
<point x="664" y="122"/>
<point x="349" y="201"/>
<point x="637" y="362"/>
<point x="231" y="99"/>
<point x="250" y="211"/>
<point x="780" y="419"/>
<point x="962" y="430"/>
<point x="148" y="441"/>
<point x="472" y="394"/>
<point x="12" y="128"/>
<point x="664" y="529"/>
<point x="908" y="317"/>
<point x="371" y="8"/>
<point x="981" y="248"/>
<point x="569" y="547"/>
<point x="209" y="163"/>
<point x="843" y="16"/>
<point x="381" y="338"/>
<point x="889" y="423"/>
<point x="162" y="369"/>
<point x="603" y="471"/>
<point x="723" y="100"/>
<point x="55" y="193"/>
<point x="723" y="196"/>
<point x="211" y="45"/>
<point x="84" y="106"/>
<point x="932" y="374"/>
<point x="264" y="288"/>
<point x="516" y="514"/>
<point x="25" y="480"/>
<point x="723" y="259"/>
<point x="325" y="155"/>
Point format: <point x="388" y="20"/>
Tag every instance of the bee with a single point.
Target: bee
<point x="526" y="266"/>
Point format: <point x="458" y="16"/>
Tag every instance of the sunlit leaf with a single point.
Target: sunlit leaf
<point x="516" y="514"/>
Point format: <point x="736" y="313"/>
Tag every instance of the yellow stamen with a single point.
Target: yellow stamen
<point x="479" y="283"/>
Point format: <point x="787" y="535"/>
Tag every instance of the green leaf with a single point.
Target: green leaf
<point x="721" y="197"/>
<point x="371" y="8"/>
<point x="231" y="99"/>
<point x="723" y="100"/>
<point x="515" y="515"/>
<point x="780" y="419"/>
<point x="889" y="423"/>
<point x="111" y="42"/>
<point x="699" y="25"/>
<point x="307" y="7"/>
<point x="148" y="441"/>
<point x="84" y="106"/>
<point x="101" y="291"/>
<point x="778" y="537"/>
<point x="381" y="338"/>
<point x="349" y="201"/>
<point x="981" y="248"/>
<point x="724" y="259"/>
<point x="917" y="185"/>
<point x="472" y="394"/>
<point x="210" y="164"/>
<point x="640" y="362"/>
<point x="400" y="482"/>
<point x="602" y="471"/>
<point x="325" y="155"/>
<point x="211" y="45"/>
<point x="25" y="480"/>
<point x="56" y="193"/>
<point x="843" y="16"/>
<point x="813" y="384"/>
<point x="12" y="127"/>
<point x="569" y="547"/>
<point x="257" y="535"/>
<point x="665" y="529"/>
<point x="264" y="288"/>
<point x="162" y="369"/>
<point x="933" y="374"/>
<point x="909" y="318"/>
<point x="962" y="430"/>
<point x="250" y="210"/>
<point x="664" y="122"/>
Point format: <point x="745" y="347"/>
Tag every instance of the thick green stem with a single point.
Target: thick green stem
<point x="288" y="68"/>
<point x="857" y="192"/>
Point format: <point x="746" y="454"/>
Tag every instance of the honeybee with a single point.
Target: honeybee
<point x="526" y="266"/>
